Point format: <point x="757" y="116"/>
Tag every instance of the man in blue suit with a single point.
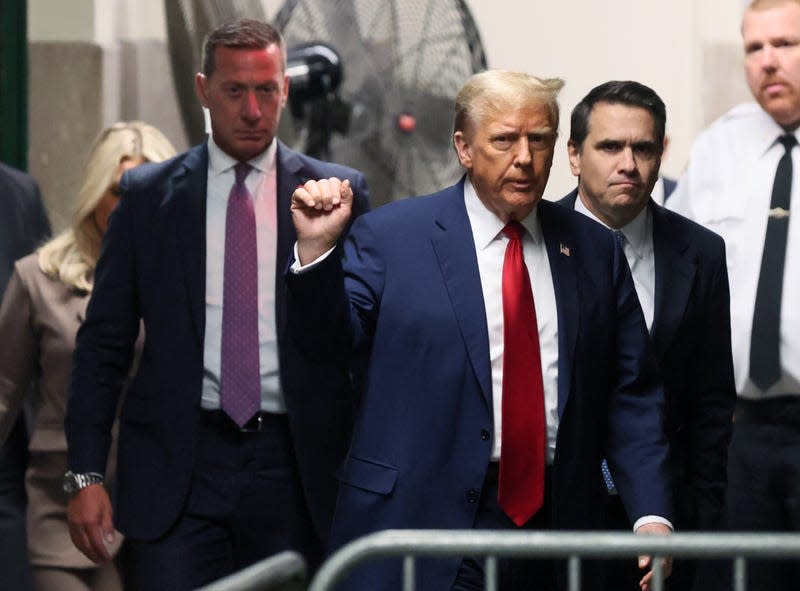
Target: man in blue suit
<point x="226" y="454"/>
<point x="433" y="297"/>
<point x="23" y="226"/>
<point x="678" y="267"/>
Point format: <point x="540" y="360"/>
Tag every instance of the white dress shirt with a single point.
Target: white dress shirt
<point x="261" y="183"/>
<point x="490" y="246"/>
<point x="727" y="187"/>
<point x="639" y="254"/>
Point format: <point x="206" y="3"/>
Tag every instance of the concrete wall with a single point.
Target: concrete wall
<point x="92" y="62"/>
<point x="96" y="61"/>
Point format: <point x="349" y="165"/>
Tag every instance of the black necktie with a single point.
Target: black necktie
<point x="765" y="363"/>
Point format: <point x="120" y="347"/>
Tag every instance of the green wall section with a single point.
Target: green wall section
<point x="14" y="83"/>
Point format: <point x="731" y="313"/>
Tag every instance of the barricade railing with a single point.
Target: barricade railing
<point x="572" y="546"/>
<point x="282" y="572"/>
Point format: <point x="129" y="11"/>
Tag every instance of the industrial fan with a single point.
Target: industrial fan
<point x="383" y="95"/>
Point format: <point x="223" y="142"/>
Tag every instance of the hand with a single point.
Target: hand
<point x="320" y="212"/>
<point x="91" y="524"/>
<point x="657" y="529"/>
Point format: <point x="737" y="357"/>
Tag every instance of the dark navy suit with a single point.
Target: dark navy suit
<point x="23" y="226"/>
<point x="691" y="338"/>
<point x="669" y="186"/>
<point x="408" y="299"/>
<point x="152" y="268"/>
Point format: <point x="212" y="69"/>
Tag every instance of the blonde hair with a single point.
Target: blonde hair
<point x="493" y="91"/>
<point x="72" y="256"/>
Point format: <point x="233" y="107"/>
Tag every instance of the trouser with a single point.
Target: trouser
<point x="15" y="572"/>
<point x="764" y="482"/>
<point x="513" y="575"/>
<point x="245" y="504"/>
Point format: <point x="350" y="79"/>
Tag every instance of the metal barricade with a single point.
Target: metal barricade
<point x="283" y="572"/>
<point x="574" y="546"/>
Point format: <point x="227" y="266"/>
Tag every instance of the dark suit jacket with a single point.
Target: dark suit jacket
<point x="152" y="267"/>
<point x="692" y="342"/>
<point x="23" y="219"/>
<point x="669" y="186"/>
<point x="23" y="226"/>
<point x="409" y="295"/>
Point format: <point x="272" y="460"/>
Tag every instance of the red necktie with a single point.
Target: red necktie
<point x="522" y="455"/>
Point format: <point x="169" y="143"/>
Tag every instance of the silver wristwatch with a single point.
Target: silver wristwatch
<point x="75" y="482"/>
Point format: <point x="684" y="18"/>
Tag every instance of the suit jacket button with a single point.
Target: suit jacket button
<point x="485" y="434"/>
<point x="472" y="496"/>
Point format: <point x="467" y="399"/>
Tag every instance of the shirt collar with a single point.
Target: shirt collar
<point x="636" y="231"/>
<point x="486" y="226"/>
<point x="770" y="131"/>
<point x="220" y="162"/>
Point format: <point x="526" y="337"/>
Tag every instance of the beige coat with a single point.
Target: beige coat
<point x="39" y="319"/>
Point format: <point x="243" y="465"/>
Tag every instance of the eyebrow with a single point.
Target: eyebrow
<point x="505" y="130"/>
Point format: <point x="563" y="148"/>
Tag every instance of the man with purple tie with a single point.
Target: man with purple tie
<point x="225" y="453"/>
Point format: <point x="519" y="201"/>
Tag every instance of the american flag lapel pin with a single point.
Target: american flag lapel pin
<point x="563" y="249"/>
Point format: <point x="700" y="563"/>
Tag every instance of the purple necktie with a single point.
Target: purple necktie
<point x="240" y="375"/>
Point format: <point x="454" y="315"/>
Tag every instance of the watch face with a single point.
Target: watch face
<point x="70" y="482"/>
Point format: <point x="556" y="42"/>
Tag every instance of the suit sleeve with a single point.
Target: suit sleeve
<point x="713" y="398"/>
<point x="360" y="196"/>
<point x="637" y="445"/>
<point x="19" y="352"/>
<point x="38" y="222"/>
<point x="332" y="309"/>
<point x="105" y="344"/>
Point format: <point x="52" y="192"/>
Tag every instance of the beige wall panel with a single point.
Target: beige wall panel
<point x="147" y="91"/>
<point x="65" y="114"/>
<point x="724" y="84"/>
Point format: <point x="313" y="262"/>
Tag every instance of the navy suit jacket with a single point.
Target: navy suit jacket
<point x="152" y="268"/>
<point x="23" y="227"/>
<point x="669" y="186"/>
<point x="407" y="300"/>
<point x="691" y="338"/>
<point x="23" y="219"/>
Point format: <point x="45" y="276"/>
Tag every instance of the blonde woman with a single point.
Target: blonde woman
<point x="42" y="309"/>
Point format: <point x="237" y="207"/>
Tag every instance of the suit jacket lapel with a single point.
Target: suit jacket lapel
<point x="453" y="243"/>
<point x="565" y="283"/>
<point x="187" y="195"/>
<point x="674" y="279"/>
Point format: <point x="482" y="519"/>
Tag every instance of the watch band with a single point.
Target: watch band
<point x="74" y="482"/>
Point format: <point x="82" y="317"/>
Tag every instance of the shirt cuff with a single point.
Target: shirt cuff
<point x="298" y="269"/>
<point x="645" y="519"/>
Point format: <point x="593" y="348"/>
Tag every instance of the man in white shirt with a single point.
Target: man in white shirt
<point x="499" y="331"/>
<point x="615" y="146"/>
<point x="740" y="181"/>
<point x="226" y="452"/>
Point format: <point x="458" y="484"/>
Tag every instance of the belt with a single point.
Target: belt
<point x="260" y="421"/>
<point x="780" y="410"/>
